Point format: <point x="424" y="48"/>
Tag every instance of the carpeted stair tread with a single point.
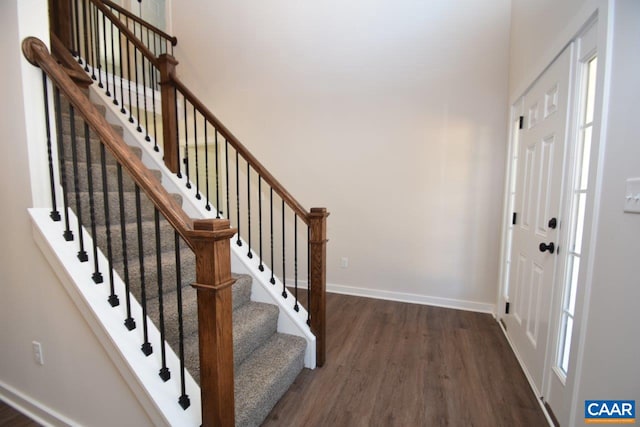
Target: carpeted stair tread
<point x="190" y="311"/>
<point x="265" y="376"/>
<point x="148" y="231"/>
<point x="168" y="262"/>
<point x="146" y="207"/>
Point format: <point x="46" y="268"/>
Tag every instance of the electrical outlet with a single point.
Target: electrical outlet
<point x="37" y="352"/>
<point x="344" y="262"/>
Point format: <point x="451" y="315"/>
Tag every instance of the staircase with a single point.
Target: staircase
<point x="265" y="362"/>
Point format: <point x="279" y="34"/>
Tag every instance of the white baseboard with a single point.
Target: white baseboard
<point x="412" y="298"/>
<point x="32" y="408"/>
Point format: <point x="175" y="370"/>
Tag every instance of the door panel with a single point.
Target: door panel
<point x="537" y="200"/>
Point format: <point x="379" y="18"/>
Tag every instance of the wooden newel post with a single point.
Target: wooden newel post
<point x="318" y="278"/>
<point x="167" y="65"/>
<point x="60" y="21"/>
<point x="210" y="239"/>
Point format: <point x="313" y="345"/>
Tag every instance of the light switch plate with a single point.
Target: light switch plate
<point x="632" y="196"/>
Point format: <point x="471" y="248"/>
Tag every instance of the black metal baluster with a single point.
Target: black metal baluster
<point x="164" y="371"/>
<point x="113" y="65"/>
<point x="86" y="37"/>
<point x="129" y="77"/>
<point x="67" y="234"/>
<point x="96" y="40"/>
<point x="97" y="275"/>
<point x="54" y="214"/>
<point x="106" y="58"/>
<point x="82" y="254"/>
<point x="195" y="146"/>
<point x="175" y="94"/>
<point x="273" y="279"/>
<point x="122" y="109"/>
<point x="95" y="58"/>
<point x="153" y="107"/>
<point x="226" y="169"/>
<point x="135" y="67"/>
<point x="186" y="142"/>
<point x="238" y="240"/>
<point x="184" y="398"/>
<point x="249" y="253"/>
<point x="206" y="163"/>
<point x="284" y="270"/>
<point x="146" y="347"/>
<point x="76" y="29"/>
<point x="113" y="298"/>
<point x="296" y="307"/>
<point x="218" y="210"/>
<point x="261" y="266"/>
<point x="308" y="275"/>
<point x="144" y="99"/>
<point x="129" y="322"/>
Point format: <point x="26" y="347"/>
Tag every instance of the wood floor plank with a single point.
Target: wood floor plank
<point x="398" y="364"/>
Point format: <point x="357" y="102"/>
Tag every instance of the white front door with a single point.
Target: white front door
<point x="537" y="205"/>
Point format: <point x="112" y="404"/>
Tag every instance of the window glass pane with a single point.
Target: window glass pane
<point x="579" y="224"/>
<point x="573" y="287"/>
<point x="566" y="345"/>
<point x="591" y="90"/>
<point x="586" y="157"/>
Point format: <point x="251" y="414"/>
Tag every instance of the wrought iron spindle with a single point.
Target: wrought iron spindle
<point x="226" y="171"/>
<point x="129" y="322"/>
<point x="308" y="275"/>
<point x="296" y="307"/>
<point x="273" y="279"/>
<point x="113" y="298"/>
<point x="218" y="210"/>
<point x="146" y="347"/>
<point x="184" y="398"/>
<point x="249" y="253"/>
<point x="195" y="149"/>
<point x="284" y="263"/>
<point x="135" y="67"/>
<point x="206" y="164"/>
<point x="186" y="142"/>
<point x="122" y="109"/>
<point x="54" y="214"/>
<point x="106" y="59"/>
<point x="164" y="371"/>
<point x="76" y="30"/>
<point x="261" y="266"/>
<point x="86" y="37"/>
<point x="144" y="101"/>
<point x="175" y="96"/>
<point x="82" y="254"/>
<point x="238" y="240"/>
<point x="153" y="107"/>
<point x="96" y="41"/>
<point x="129" y="79"/>
<point x="97" y="275"/>
<point x="67" y="234"/>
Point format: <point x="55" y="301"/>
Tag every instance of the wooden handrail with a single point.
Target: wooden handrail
<point x="242" y="150"/>
<point x="172" y="39"/>
<point x="127" y="32"/>
<point x="37" y="54"/>
<point x="71" y="66"/>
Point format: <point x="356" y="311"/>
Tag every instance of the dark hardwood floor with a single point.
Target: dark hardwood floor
<point x="398" y="364"/>
<point x="9" y="417"/>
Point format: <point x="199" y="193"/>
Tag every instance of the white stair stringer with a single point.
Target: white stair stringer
<point x="140" y="372"/>
<point x="290" y="321"/>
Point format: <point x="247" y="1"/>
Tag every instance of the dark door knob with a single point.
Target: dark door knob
<point x="553" y="223"/>
<point x="550" y="247"/>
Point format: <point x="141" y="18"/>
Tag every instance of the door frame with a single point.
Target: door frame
<point x="599" y="19"/>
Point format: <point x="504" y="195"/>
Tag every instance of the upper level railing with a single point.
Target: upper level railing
<point x="102" y="184"/>
<point x="286" y="242"/>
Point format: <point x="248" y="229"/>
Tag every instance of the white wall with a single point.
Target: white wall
<point x="392" y="114"/>
<point x="610" y="350"/>
<point x="78" y="381"/>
